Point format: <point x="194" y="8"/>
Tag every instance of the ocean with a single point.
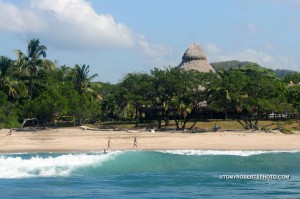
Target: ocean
<point x="151" y="174"/>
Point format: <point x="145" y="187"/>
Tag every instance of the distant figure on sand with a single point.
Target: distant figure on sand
<point x="108" y="144"/>
<point x="104" y="151"/>
<point x="135" y="143"/>
<point x="9" y="133"/>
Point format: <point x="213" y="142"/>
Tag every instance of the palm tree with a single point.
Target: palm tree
<point x="8" y="82"/>
<point x="81" y="78"/>
<point x="33" y="62"/>
<point x="5" y="65"/>
<point x="82" y="84"/>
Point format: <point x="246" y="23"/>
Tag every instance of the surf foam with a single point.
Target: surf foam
<point x="221" y="152"/>
<point x="39" y="166"/>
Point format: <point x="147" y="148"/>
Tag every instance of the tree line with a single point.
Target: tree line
<point x="35" y="87"/>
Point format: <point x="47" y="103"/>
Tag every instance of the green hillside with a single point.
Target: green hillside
<point x="226" y="65"/>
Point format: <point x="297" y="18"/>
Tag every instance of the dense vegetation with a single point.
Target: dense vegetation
<point x="34" y="87"/>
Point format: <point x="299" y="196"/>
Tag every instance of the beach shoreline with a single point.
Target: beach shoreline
<point x="69" y="140"/>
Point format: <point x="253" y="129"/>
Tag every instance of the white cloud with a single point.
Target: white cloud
<point x="289" y="63"/>
<point x="75" y="23"/>
<point x="250" y="55"/>
<point x="212" y="48"/>
<point x="153" y="50"/>
<point x="69" y="24"/>
<point x="14" y="19"/>
<point x="72" y="25"/>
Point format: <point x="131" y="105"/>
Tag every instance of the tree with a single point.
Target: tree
<point x="9" y="83"/>
<point x="293" y="96"/>
<point x="112" y="104"/>
<point x="163" y="91"/>
<point x="82" y="84"/>
<point x="191" y="95"/>
<point x="136" y="87"/>
<point x="81" y="79"/>
<point x="177" y="93"/>
<point x="47" y="105"/>
<point x="249" y="93"/>
<point x="292" y="77"/>
<point x="33" y="61"/>
<point x="8" y="112"/>
<point x="218" y="97"/>
<point x="51" y="97"/>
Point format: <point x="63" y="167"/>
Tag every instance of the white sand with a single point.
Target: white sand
<point x="75" y="140"/>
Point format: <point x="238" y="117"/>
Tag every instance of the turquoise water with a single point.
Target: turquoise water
<point x="150" y="174"/>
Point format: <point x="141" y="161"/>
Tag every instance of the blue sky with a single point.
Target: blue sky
<point x="116" y="37"/>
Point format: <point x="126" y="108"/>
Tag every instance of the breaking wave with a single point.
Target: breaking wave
<point x="33" y="165"/>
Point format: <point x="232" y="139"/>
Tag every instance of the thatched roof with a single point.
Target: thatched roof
<point x="194" y="58"/>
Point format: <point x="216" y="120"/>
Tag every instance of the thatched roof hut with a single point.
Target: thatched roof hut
<point x="194" y="58"/>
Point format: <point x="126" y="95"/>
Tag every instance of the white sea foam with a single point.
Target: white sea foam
<point x="221" y="152"/>
<point x="37" y="166"/>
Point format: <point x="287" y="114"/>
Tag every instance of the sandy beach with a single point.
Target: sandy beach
<point x="78" y="140"/>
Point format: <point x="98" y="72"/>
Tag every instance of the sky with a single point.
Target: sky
<point x="116" y="37"/>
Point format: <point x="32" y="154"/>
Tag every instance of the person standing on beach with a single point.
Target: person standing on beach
<point x="135" y="143"/>
<point x="9" y="133"/>
<point x="108" y="144"/>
